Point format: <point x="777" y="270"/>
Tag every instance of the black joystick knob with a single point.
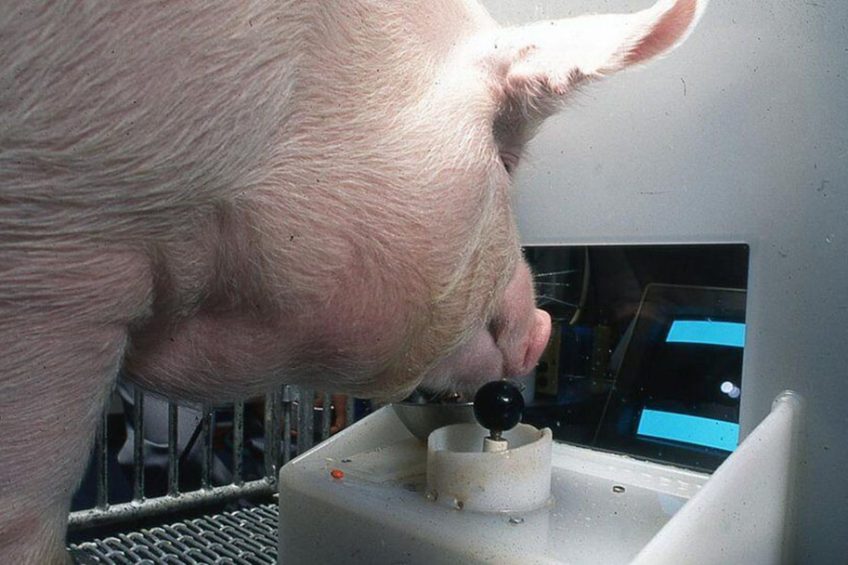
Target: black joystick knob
<point x="498" y="407"/>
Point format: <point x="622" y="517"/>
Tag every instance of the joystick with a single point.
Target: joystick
<point x="498" y="407"/>
<point x="512" y="473"/>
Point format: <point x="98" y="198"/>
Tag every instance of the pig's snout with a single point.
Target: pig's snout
<point x="537" y="340"/>
<point x="509" y="346"/>
<point x="520" y="330"/>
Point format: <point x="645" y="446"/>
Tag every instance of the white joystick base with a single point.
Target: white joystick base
<point x="515" y="476"/>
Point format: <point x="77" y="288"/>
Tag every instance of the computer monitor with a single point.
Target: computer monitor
<point x="676" y="392"/>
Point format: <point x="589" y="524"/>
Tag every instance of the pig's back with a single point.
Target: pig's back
<point x="126" y="119"/>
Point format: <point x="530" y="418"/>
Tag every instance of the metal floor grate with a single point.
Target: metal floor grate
<point x="245" y="536"/>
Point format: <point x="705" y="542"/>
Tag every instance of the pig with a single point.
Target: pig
<point x="224" y="196"/>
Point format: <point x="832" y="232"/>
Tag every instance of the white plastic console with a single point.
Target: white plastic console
<point x="362" y="497"/>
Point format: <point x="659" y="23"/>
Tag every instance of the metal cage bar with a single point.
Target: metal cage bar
<point x="151" y="507"/>
<point x="305" y="422"/>
<point x="138" y="445"/>
<point x="287" y="423"/>
<point x="206" y="458"/>
<point x="272" y="435"/>
<point x="287" y="410"/>
<point x="173" y="455"/>
<point x="102" y="449"/>
<point x="238" y="442"/>
<point x="326" y="415"/>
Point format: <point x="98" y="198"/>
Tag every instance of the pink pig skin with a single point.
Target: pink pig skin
<point x="225" y="196"/>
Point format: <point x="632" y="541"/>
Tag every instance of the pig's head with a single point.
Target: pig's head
<point x="437" y="117"/>
<point x="485" y="99"/>
<point x="370" y="245"/>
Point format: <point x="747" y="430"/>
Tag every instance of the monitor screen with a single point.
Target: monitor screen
<point x="684" y="341"/>
<point x="677" y="392"/>
<point x="648" y="355"/>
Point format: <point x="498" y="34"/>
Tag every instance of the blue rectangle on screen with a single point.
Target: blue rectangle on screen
<point x="731" y="334"/>
<point x="694" y="430"/>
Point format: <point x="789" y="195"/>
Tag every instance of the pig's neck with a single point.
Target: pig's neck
<point x="248" y="301"/>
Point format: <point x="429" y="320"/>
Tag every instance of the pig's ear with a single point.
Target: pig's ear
<point x="542" y="62"/>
